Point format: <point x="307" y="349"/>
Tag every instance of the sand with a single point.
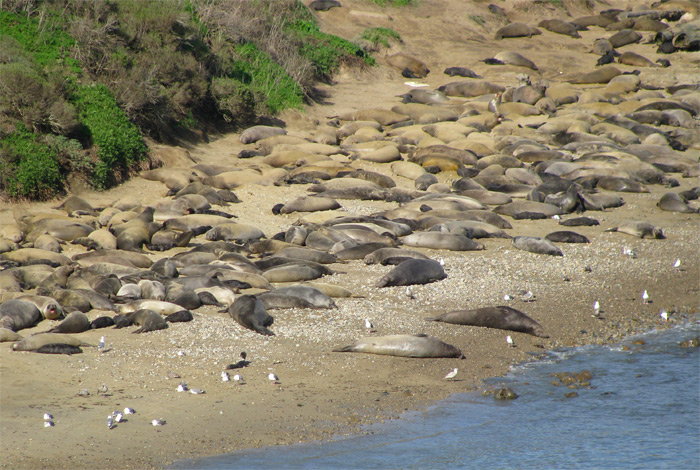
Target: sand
<point x="321" y="393"/>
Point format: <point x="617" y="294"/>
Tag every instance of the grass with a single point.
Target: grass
<point x="380" y="36"/>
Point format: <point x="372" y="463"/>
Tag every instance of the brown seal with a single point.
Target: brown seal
<point x="250" y="313"/>
<point x="501" y="317"/>
<point x="403" y="346"/>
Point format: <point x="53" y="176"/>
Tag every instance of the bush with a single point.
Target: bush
<point x="234" y="99"/>
<point x="28" y="168"/>
<point x="118" y="141"/>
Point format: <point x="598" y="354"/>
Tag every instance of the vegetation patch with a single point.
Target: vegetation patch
<point x="380" y="36"/>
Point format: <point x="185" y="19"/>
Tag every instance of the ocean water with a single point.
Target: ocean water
<point x="641" y="411"/>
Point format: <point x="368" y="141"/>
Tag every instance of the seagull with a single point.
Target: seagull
<point x="664" y="315"/>
<point x="677" y="264"/>
<point x="48" y="424"/>
<point x="225" y="377"/>
<point x="238" y="378"/>
<point x="272" y="378"/>
<point x="507" y="297"/>
<point x="110" y="422"/>
<point x="117" y="416"/>
<point x="197" y="391"/>
<point x="158" y="422"/>
<point x="596" y="309"/>
<point x="442" y="262"/>
<point x="409" y="293"/>
<point x="510" y="342"/>
<point x="129" y="411"/>
<point x="101" y="345"/>
<point x="103" y="389"/>
<point x="451" y="374"/>
<point x="48" y="417"/>
<point x="182" y="387"/>
<point x="629" y="252"/>
<point x="528" y="296"/>
<point x="645" y="297"/>
<point x="368" y="325"/>
<point x="556" y="217"/>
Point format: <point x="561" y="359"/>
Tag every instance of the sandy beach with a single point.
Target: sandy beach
<point x="323" y="393"/>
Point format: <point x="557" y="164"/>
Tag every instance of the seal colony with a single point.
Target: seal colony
<point x="373" y="210"/>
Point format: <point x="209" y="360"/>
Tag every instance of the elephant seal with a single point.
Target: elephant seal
<point x="7" y="335"/>
<point x="296" y="271"/>
<point x="413" y="271"/>
<point x="566" y="236"/>
<point x="34" y="342"/>
<point x="250" y="313"/>
<point x="312" y="295"/>
<point x="49" y="308"/>
<point x="442" y="241"/>
<point x="255" y="133"/>
<point x="639" y="229"/>
<point x="579" y="221"/>
<point x="516" y="30"/>
<point x="636" y="60"/>
<point x="307" y="204"/>
<point x="672" y="202"/>
<point x="624" y="37"/>
<point x="514" y="58"/>
<point x="324" y="5"/>
<point x="410" y="67"/>
<point x="59" y="348"/>
<point x="147" y="319"/>
<point x="501" y="317"/>
<point x="75" y="322"/>
<point x="536" y="245"/>
<point x="101" y="322"/>
<point x="18" y="314"/>
<point x="179" y="317"/>
<point x="420" y="345"/>
<point x="392" y="256"/>
<point x="601" y="75"/>
<point x="560" y="27"/>
<point x="159" y="306"/>
<point x="461" y="72"/>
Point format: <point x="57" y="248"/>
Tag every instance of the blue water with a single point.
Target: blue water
<point x="642" y="411"/>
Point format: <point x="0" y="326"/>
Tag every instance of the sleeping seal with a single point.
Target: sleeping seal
<point x="403" y="346"/>
<point x="537" y="245"/>
<point x="501" y="317"/>
<point x="639" y="229"/>
<point x="413" y="271"/>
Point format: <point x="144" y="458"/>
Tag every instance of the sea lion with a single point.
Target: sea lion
<point x="566" y="236"/>
<point x="420" y="345"/>
<point x="639" y="229"/>
<point x="250" y="313"/>
<point x="34" y="342"/>
<point x="148" y="320"/>
<point x="413" y="272"/>
<point x="75" y="322"/>
<point x="516" y="30"/>
<point x="536" y="245"/>
<point x="18" y="314"/>
<point x="501" y="317"/>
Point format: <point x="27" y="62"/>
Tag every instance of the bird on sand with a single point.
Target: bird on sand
<point x="451" y="374"/>
<point x="510" y="341"/>
<point x="273" y="378"/>
<point x="664" y="315"/>
<point x="596" y="309"/>
<point x="645" y="297"/>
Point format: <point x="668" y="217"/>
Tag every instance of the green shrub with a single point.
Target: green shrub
<point x="234" y="99"/>
<point x="380" y="36"/>
<point x="396" y="3"/>
<point x="29" y="168"/>
<point x="118" y="141"/>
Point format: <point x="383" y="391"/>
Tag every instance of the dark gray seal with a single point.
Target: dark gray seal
<point x="19" y="314"/>
<point x="461" y="72"/>
<point x="250" y="313"/>
<point x="403" y="346"/>
<point x="579" y="221"/>
<point x="566" y="236"/>
<point x="148" y="320"/>
<point x="639" y="229"/>
<point x="413" y="271"/>
<point x="672" y="202"/>
<point x="75" y="322"/>
<point x="501" y="317"/>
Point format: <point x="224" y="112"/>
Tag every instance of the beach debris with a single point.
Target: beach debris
<point x="645" y="297"/>
<point x="182" y="387"/>
<point x="273" y="378"/>
<point x="158" y="422"/>
<point x="510" y="341"/>
<point x="664" y="315"/>
<point x="129" y="411"/>
<point x="225" y="377"/>
<point x="451" y="374"/>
